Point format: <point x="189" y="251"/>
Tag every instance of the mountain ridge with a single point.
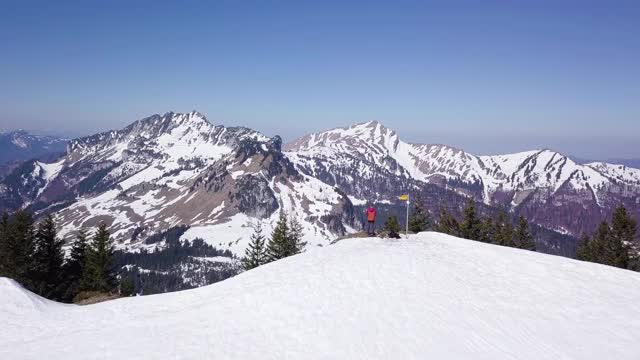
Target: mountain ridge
<point x="523" y="182"/>
<point x="146" y="177"/>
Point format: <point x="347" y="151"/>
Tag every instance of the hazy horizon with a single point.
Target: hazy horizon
<point x="488" y="78"/>
<point x="495" y="143"/>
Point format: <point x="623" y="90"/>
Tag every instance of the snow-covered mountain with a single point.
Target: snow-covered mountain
<point x="431" y="296"/>
<point x="535" y="183"/>
<point x="178" y="169"/>
<point x="20" y="145"/>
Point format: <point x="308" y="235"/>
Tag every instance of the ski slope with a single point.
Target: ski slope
<point x="432" y="296"/>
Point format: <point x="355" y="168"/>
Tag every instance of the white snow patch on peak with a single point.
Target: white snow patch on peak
<point x="19" y="142"/>
<point x="430" y="296"/>
<point x="617" y="172"/>
<point x="236" y="174"/>
<point x="47" y="172"/>
<point x="366" y="135"/>
<point x="193" y="117"/>
<point x="51" y="170"/>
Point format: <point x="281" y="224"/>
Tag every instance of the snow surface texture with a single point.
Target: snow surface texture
<point x="432" y="296"/>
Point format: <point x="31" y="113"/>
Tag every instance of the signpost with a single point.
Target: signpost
<point x="406" y="229"/>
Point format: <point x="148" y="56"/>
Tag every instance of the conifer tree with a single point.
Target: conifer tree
<point x="296" y="245"/>
<point x="623" y="232"/>
<point x="74" y="268"/>
<point x="522" y="236"/>
<point x="278" y="246"/>
<point x="487" y="231"/>
<point x="19" y="247"/>
<point x="447" y="224"/>
<point x="503" y="230"/>
<point x="127" y="286"/>
<point x="392" y="226"/>
<point x="48" y="260"/>
<point x="256" y="253"/>
<point x="99" y="274"/>
<point x="470" y="227"/>
<point x="4" y="243"/>
<point x="419" y="219"/>
<point x="584" y="249"/>
<point x="599" y="246"/>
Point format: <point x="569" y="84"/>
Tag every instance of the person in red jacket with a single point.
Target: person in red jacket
<point x="371" y="219"/>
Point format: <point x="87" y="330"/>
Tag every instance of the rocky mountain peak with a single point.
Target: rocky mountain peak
<point x="370" y="136"/>
<point x="158" y="124"/>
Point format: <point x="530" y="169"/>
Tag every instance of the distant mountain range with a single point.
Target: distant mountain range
<point x="179" y="169"/>
<point x="19" y="145"/>
<point x="634" y="163"/>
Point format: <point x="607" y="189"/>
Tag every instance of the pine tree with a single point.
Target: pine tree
<point x="623" y="232"/>
<point x="419" y="219"/>
<point x="19" y="247"/>
<point x="73" y="269"/>
<point x="599" y="246"/>
<point x="296" y="245"/>
<point x="447" y="224"/>
<point x="584" y="249"/>
<point x="522" y="236"/>
<point x="4" y="243"/>
<point x="127" y="286"/>
<point x="392" y="226"/>
<point x="613" y="244"/>
<point x="503" y="230"/>
<point x="470" y="227"/>
<point x="278" y="246"/>
<point x="601" y="250"/>
<point x="48" y="260"/>
<point x="98" y="274"/>
<point x="256" y="253"/>
<point x="487" y="231"/>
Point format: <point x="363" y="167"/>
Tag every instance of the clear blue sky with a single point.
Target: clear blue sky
<point x="487" y="76"/>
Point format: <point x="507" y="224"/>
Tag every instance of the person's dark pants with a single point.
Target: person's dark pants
<point x="371" y="228"/>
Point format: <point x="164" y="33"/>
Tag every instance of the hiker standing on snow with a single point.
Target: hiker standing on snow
<point x="371" y="219"/>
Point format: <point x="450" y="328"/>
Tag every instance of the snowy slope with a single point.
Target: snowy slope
<point x="537" y="169"/>
<point x="430" y="297"/>
<point x="178" y="169"/>
<point x="370" y="162"/>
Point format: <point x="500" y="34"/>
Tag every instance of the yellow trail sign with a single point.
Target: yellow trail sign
<point x="403" y="197"/>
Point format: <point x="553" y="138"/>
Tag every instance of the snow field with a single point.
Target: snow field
<point x="431" y="296"/>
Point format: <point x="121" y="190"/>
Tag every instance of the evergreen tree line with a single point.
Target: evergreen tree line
<point x="166" y="257"/>
<point x="285" y="240"/>
<point x="177" y="265"/>
<point x="32" y="255"/>
<point x="497" y="230"/>
<point x="613" y="244"/>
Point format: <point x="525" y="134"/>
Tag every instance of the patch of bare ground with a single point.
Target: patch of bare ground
<point x="93" y="297"/>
